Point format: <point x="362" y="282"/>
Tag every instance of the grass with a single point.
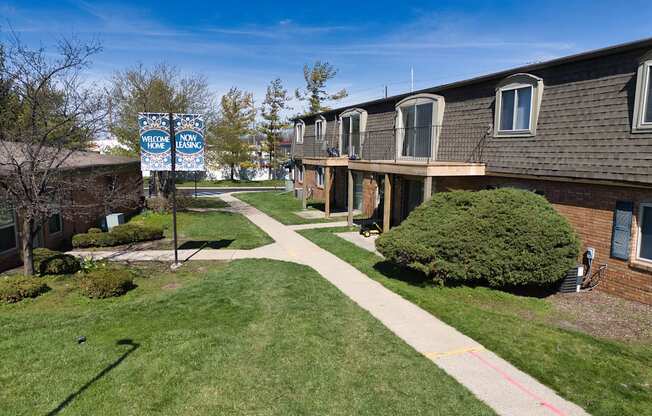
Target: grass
<point x="204" y="202"/>
<point x="224" y="183"/>
<point x="603" y="376"/>
<point x="282" y="206"/>
<point x="252" y="337"/>
<point x="216" y="228"/>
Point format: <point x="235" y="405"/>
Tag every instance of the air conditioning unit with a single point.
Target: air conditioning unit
<point x="114" y="219"/>
<point x="298" y="193"/>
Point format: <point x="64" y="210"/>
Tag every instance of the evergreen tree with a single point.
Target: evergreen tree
<point x="235" y="120"/>
<point x="273" y="122"/>
<point x="315" y="93"/>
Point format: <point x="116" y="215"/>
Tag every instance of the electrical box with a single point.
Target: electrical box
<point x="114" y="219"/>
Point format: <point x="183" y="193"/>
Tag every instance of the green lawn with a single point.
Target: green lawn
<point x="217" y="229"/>
<point x="603" y="376"/>
<point x="224" y="183"/>
<point x="204" y="202"/>
<point x="281" y="206"/>
<point x="254" y="337"/>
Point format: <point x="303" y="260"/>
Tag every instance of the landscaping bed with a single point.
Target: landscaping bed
<point x="250" y="337"/>
<point x="606" y="371"/>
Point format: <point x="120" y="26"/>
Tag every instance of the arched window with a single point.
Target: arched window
<point x="320" y="128"/>
<point x="518" y="98"/>
<point x="418" y="124"/>
<point x="642" y="121"/>
<point x="353" y="124"/>
<point x="299" y="129"/>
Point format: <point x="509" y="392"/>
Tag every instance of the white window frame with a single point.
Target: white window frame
<point x="13" y="225"/>
<point x="643" y="84"/>
<point x="299" y="131"/>
<point x="60" y="224"/>
<point x="319" y="177"/>
<point x="321" y="121"/>
<point x="639" y="231"/>
<point x="363" y="126"/>
<point x="515" y="88"/>
<point x="439" y="104"/>
<point x="515" y="82"/>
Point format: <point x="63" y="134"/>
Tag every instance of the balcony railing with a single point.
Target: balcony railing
<point x="418" y="144"/>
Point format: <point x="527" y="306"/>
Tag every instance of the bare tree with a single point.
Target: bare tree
<point x="48" y="116"/>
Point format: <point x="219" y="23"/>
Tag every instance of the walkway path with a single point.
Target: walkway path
<point x="493" y="380"/>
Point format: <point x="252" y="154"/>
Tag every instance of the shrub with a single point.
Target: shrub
<point x="53" y="262"/>
<point x="16" y="288"/>
<point x="501" y="237"/>
<point x="106" y="282"/>
<point x="94" y="230"/>
<point x="118" y="235"/>
<point x="163" y="205"/>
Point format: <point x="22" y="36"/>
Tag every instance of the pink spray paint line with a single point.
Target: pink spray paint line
<point x="518" y="385"/>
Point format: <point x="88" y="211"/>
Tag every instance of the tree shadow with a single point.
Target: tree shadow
<point x="133" y="347"/>
<point x="198" y="245"/>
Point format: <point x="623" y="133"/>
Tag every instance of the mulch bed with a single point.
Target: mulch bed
<point x="603" y="315"/>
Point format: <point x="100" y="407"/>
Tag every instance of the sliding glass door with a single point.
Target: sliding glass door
<point x="417" y="130"/>
<point x="351" y="135"/>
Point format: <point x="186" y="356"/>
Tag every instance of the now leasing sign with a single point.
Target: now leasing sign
<point x="156" y="147"/>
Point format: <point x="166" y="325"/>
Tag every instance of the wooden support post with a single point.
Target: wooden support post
<point x="304" y="196"/>
<point x="427" y="188"/>
<point x="387" y="203"/>
<point x="349" y="201"/>
<point x="327" y="191"/>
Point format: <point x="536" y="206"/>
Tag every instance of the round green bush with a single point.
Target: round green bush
<point x="119" y="235"/>
<point x="48" y="261"/>
<point x="503" y="237"/>
<point x="94" y="230"/>
<point x="106" y="282"/>
<point x="16" y="288"/>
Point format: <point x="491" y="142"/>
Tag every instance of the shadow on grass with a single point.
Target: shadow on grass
<point x="416" y="278"/>
<point x="133" y="347"/>
<point x="198" y="245"/>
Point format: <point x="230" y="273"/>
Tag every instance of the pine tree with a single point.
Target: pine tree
<point x="273" y="122"/>
<point x="315" y="92"/>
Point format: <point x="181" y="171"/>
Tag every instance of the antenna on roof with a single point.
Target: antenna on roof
<point x="411" y="79"/>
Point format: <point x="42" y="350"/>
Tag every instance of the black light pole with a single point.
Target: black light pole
<point x="195" y="184"/>
<point x="173" y="141"/>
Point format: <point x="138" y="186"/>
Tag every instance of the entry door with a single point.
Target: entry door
<point x="357" y="191"/>
<point x="351" y="135"/>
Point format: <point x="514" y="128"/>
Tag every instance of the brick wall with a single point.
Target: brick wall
<point x="590" y="209"/>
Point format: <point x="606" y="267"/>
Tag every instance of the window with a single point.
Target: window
<point x="643" y="100"/>
<point x="298" y="131"/>
<point x="352" y="127"/>
<point x="8" y="240"/>
<point x="298" y="171"/>
<point x="320" y="129"/>
<point x="645" y="232"/>
<point x="516" y="106"/>
<point x="518" y="98"/>
<point x="55" y="224"/>
<point x="320" y="176"/>
<point x="418" y="121"/>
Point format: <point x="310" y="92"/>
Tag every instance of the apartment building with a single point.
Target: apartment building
<point x="577" y="130"/>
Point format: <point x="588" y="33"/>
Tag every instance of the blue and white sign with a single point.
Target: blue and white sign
<point x="156" y="147"/>
<point x="155" y="144"/>
<point x="189" y="134"/>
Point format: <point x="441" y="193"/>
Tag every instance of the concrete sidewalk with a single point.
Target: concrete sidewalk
<point x="493" y="380"/>
<point x="507" y="390"/>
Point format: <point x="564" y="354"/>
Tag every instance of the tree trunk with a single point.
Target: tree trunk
<point x="232" y="172"/>
<point x="27" y="246"/>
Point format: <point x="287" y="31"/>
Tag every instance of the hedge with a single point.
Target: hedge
<point x="16" y="288"/>
<point x="504" y="237"/>
<point x="48" y="261"/>
<point x="106" y="282"/>
<point x="118" y="235"/>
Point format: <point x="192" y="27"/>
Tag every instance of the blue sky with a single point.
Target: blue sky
<point x="371" y="43"/>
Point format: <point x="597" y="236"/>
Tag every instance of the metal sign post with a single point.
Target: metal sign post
<point x="174" y="189"/>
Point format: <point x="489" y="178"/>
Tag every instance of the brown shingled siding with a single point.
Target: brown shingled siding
<point x="590" y="210"/>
